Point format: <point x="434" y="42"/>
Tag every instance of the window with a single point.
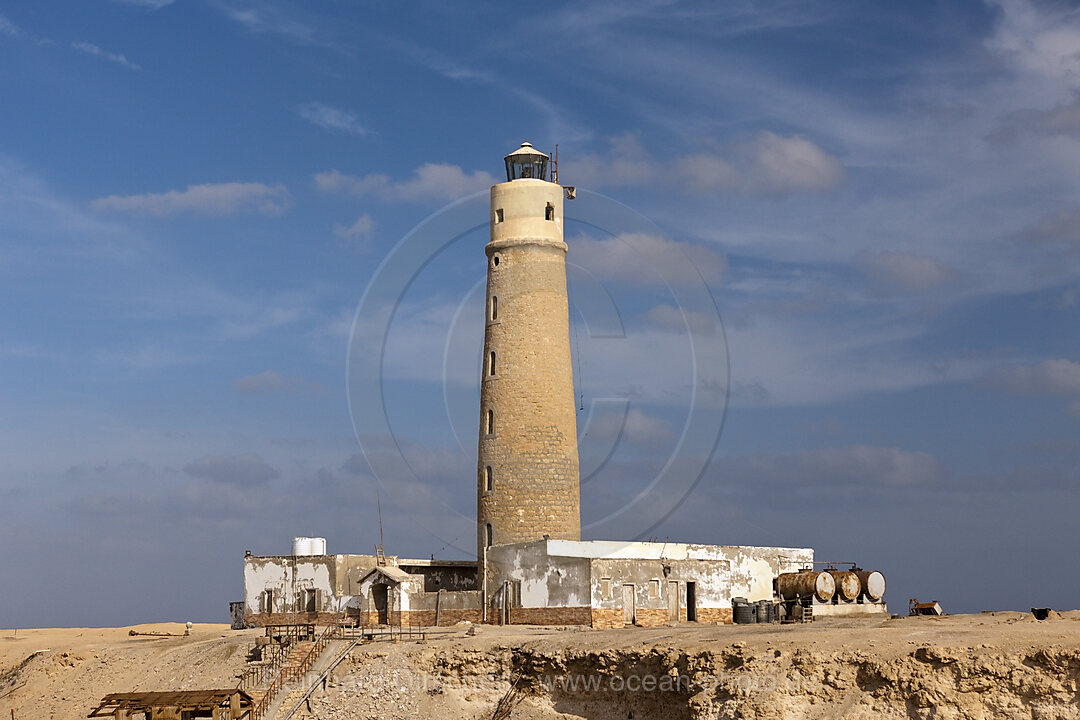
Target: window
<point x="268" y="601"/>
<point x="495" y="261"/>
<point x="549" y="212"/>
<point x="491" y="422"/>
<point x="489" y="537"/>
<point x="499" y="215"/>
<point x="654" y="588"/>
<point x="605" y="588"/>
<point x="309" y="601"/>
<point x="494" y="308"/>
<point x="491" y="364"/>
<point x="489" y="479"/>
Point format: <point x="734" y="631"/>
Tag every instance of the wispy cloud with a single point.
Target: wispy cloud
<point x="429" y="182"/>
<point x="270" y="18"/>
<point x="9" y="28"/>
<point x="901" y="272"/>
<point x="269" y="381"/>
<point x="243" y="470"/>
<point x="331" y="118"/>
<point x="152" y="4"/>
<point x="1050" y="377"/>
<point x="357" y="234"/>
<point x="649" y="260"/>
<point x="768" y="164"/>
<point x="211" y="199"/>
<point x="92" y="49"/>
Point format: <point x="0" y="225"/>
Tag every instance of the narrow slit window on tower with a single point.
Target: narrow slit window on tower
<point x="494" y="307"/>
<point x="495" y="261"/>
<point x="549" y="212"/>
<point x="489" y="537"/>
<point x="499" y="215"/>
<point x="491" y="422"/>
<point x="489" y="479"/>
<point x="491" y="364"/>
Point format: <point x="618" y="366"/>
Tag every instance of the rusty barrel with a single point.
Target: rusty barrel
<point x="805" y="584"/>
<point x="848" y="586"/>
<point x="872" y="584"/>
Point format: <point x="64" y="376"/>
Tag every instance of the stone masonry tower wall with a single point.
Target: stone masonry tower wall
<point x="528" y="455"/>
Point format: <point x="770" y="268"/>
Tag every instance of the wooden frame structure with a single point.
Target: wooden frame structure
<point x="226" y="704"/>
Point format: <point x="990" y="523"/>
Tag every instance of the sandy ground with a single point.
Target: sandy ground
<point x="61" y="673"/>
<point x="67" y="670"/>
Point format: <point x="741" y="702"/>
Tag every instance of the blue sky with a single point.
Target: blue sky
<point x="195" y="194"/>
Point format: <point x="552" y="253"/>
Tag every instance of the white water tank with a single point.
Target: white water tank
<point x="304" y="546"/>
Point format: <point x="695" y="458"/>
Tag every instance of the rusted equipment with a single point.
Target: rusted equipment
<point x="806" y="584"/>
<point x="872" y="584"/>
<point x="847" y="584"/>
<point x="920" y="608"/>
<point x="226" y="704"/>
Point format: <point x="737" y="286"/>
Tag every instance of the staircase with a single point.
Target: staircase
<point x="299" y="659"/>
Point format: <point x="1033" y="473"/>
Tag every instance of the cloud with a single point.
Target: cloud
<point x="645" y="259"/>
<point x="269" y="19"/>
<point x="766" y="164"/>
<point x="852" y="466"/>
<point x="331" y="118"/>
<point x="268" y="381"/>
<point x="1054" y="377"/>
<point x="92" y="49"/>
<point x="769" y="163"/>
<point x="357" y="233"/>
<point x="210" y="199"/>
<point x="242" y="470"/>
<point x="152" y="4"/>
<point x="1062" y="226"/>
<point x="1061" y="120"/>
<point x="431" y="181"/>
<point x="1074" y="409"/>
<point x="9" y="28"/>
<point x="672" y="318"/>
<point x="636" y="426"/>
<point x="900" y="272"/>
<point x="1039" y="40"/>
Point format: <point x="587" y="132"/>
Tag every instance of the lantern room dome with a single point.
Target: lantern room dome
<point x="526" y="162"/>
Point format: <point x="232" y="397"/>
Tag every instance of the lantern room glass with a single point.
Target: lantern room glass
<point x="521" y="165"/>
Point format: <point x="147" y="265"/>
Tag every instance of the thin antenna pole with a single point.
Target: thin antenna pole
<point x="378" y="502"/>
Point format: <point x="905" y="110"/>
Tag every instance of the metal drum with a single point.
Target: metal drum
<point x="872" y="583"/>
<point x="805" y="584"/>
<point x="848" y="586"/>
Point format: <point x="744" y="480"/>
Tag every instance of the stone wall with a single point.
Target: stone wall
<point x="529" y="447"/>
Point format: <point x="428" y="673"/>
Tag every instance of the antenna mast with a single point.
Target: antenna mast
<point x="380" y="556"/>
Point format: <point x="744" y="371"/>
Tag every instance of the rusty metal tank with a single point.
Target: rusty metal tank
<point x="848" y="585"/>
<point x="805" y="584"/>
<point x="872" y="584"/>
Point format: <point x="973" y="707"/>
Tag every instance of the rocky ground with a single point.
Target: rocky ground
<point x="991" y="665"/>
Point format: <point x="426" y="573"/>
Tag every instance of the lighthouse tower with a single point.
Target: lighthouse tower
<point x="528" y="455"/>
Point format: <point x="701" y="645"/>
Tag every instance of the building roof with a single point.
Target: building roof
<point x="614" y="549"/>
<point x="527" y="150"/>
<point x="394" y="574"/>
<point x="183" y="699"/>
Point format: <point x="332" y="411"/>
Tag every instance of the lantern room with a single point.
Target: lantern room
<point x="526" y="162"/>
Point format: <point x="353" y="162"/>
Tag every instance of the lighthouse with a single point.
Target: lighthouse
<point x="527" y="469"/>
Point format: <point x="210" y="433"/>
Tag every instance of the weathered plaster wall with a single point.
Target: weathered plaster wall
<point x="543" y="581"/>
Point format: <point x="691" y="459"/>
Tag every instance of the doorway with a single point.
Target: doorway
<point x="673" y="601"/>
<point x="380" y="593"/>
<point x="691" y="601"/>
<point x="628" y="607"/>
